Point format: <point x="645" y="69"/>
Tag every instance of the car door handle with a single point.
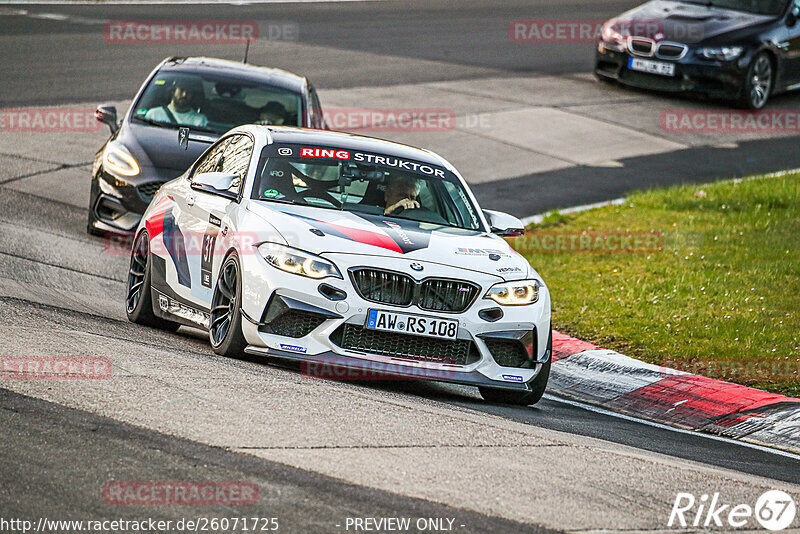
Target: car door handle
<point x="190" y="200"/>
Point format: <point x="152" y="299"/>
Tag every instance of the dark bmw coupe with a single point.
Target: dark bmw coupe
<point x="183" y="107"/>
<point x="739" y="50"/>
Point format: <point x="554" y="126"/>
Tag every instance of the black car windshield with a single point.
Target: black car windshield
<point x="371" y="184"/>
<point x="214" y="103"/>
<point x="759" y="7"/>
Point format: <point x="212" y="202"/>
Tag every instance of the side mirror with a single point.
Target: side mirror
<point x="107" y="114"/>
<point x="794" y="14"/>
<point x="219" y="181"/>
<point x="503" y="224"/>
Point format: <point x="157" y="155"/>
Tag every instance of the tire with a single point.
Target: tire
<point x="139" y="299"/>
<point x="758" y="83"/>
<point x="523" y="398"/>
<point x="225" y="326"/>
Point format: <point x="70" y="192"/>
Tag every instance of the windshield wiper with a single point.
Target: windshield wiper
<point x="200" y="129"/>
<point x="157" y="123"/>
<point x="175" y="126"/>
<point x="283" y="201"/>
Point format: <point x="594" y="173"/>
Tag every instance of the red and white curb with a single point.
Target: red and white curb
<point x="605" y="378"/>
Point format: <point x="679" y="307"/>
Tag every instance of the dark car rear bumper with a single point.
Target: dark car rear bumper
<point x="714" y="79"/>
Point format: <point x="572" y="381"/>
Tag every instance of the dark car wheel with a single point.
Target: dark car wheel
<point x="139" y="302"/>
<point x="523" y="398"/>
<point x="758" y="82"/>
<point x="225" y="330"/>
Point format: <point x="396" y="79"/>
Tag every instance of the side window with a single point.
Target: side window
<point x="236" y="159"/>
<point x="211" y="160"/>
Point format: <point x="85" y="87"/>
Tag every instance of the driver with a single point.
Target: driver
<point x="185" y="92"/>
<point x="401" y="192"/>
<point x="272" y="114"/>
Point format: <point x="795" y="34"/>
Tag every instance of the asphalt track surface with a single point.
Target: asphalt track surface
<point x="320" y="451"/>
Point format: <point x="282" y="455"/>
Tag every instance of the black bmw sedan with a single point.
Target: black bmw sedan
<point x="185" y="105"/>
<point x="743" y="51"/>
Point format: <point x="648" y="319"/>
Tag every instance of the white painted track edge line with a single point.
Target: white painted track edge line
<point x="663" y="426"/>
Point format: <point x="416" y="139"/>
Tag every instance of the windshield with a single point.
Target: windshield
<point x="759" y="7"/>
<point x="215" y="103"/>
<point x="365" y="183"/>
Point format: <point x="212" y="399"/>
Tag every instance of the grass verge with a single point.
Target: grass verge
<point x="700" y="278"/>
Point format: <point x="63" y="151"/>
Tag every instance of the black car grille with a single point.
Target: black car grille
<point x="508" y="353"/>
<point x="641" y="47"/>
<point x="670" y="51"/>
<point x="384" y="287"/>
<point x="147" y="191"/>
<point x="397" y="289"/>
<point x="419" y="348"/>
<point x="652" y="81"/>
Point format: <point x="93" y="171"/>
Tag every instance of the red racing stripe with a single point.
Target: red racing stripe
<point x="368" y="238"/>
<point x="155" y="219"/>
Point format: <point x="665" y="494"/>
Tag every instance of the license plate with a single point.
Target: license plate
<point x="653" y="67"/>
<point x="403" y="323"/>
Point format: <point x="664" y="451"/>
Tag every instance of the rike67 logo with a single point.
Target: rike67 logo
<point x="774" y="510"/>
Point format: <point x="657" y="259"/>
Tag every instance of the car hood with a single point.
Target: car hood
<point x="158" y="147"/>
<point x="324" y="231"/>
<point x="691" y="23"/>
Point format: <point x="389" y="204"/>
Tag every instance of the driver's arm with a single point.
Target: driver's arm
<point x="406" y="204"/>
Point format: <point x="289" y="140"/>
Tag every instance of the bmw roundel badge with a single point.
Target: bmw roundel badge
<point x="417" y="266"/>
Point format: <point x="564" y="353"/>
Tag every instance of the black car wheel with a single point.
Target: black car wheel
<point x="523" y="398"/>
<point x="139" y="301"/>
<point x="225" y="329"/>
<point x="758" y="82"/>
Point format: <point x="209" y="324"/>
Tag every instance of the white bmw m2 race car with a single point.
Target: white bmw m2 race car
<point x="337" y="249"/>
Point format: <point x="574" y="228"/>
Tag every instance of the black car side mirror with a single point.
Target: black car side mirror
<point x="107" y="114"/>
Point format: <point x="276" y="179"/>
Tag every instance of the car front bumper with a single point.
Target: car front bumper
<point x="715" y="79"/>
<point x="323" y="345"/>
<point x="116" y="204"/>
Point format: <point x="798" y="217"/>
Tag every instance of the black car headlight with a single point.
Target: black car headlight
<point x="119" y="161"/>
<point x="296" y="261"/>
<point x="515" y="293"/>
<point x="724" y="53"/>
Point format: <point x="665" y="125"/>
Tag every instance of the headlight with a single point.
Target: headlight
<point x="609" y="32"/>
<point x="515" y="293"/>
<point x="296" y="261"/>
<point x="118" y="160"/>
<point x="725" y="53"/>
